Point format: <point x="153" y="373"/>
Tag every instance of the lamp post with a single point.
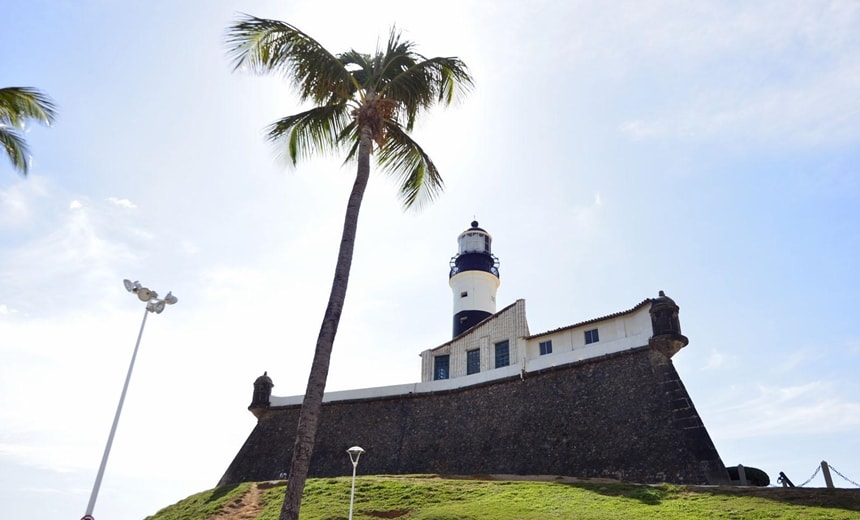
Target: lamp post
<point x="153" y="304"/>
<point x="354" y="453"/>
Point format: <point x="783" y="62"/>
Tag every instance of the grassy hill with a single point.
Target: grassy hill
<point x="443" y="498"/>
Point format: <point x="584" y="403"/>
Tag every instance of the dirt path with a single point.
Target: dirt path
<point x="246" y="507"/>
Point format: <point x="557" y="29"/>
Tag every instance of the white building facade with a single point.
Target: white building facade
<point x="501" y="346"/>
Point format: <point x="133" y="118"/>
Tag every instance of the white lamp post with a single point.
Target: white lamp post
<point x="354" y="453"/>
<point x="153" y="304"/>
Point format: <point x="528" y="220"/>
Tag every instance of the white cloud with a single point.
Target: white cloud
<point x="796" y="359"/>
<point x="123" y="203"/>
<point x="818" y="111"/>
<point x="18" y="201"/>
<point x="852" y="346"/>
<point x="715" y="360"/>
<point x="188" y="247"/>
<point x="15" y="207"/>
<point x="55" y="491"/>
<point x="639" y="130"/>
<point x="585" y="218"/>
<point x="71" y="256"/>
<point x="811" y="408"/>
<point x="742" y="72"/>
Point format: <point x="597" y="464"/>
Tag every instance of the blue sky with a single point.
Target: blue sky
<point x="708" y="149"/>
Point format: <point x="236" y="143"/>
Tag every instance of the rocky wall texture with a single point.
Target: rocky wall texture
<point x="625" y="416"/>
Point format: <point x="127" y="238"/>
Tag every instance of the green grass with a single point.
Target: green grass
<point x="202" y="504"/>
<point x="428" y="497"/>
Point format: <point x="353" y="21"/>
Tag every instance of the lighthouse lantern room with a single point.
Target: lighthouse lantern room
<point x="474" y="278"/>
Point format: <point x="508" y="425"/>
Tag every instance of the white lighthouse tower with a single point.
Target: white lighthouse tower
<point x="474" y="278"/>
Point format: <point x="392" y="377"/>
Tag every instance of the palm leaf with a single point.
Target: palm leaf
<point x="431" y="81"/>
<point x="419" y="179"/>
<point x="271" y="45"/>
<point x="350" y="136"/>
<point x="398" y="56"/>
<point x="16" y="148"/>
<point x="312" y="132"/>
<point x="359" y="65"/>
<point x="18" y="104"/>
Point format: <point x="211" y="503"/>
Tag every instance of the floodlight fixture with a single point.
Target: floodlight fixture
<point x="145" y="294"/>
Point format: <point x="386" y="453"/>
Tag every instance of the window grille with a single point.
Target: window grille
<point x="440" y="367"/>
<point x="473" y="361"/>
<point x="546" y="347"/>
<point x="503" y="354"/>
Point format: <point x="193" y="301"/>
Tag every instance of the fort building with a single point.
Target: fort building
<point x="598" y="398"/>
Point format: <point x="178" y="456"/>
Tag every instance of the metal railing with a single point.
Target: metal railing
<point x="494" y="269"/>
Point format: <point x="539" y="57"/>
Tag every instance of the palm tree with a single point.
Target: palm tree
<point x="17" y="106"/>
<point x="363" y="105"/>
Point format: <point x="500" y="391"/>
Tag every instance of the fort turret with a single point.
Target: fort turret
<point x="262" y="393"/>
<point x="474" y="278"/>
<point x="666" y="326"/>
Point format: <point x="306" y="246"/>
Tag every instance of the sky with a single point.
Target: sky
<point x="613" y="149"/>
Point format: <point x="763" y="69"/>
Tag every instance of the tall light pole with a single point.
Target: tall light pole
<point x="153" y="304"/>
<point x="354" y="453"/>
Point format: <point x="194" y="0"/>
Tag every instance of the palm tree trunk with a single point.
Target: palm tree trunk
<point x="312" y="403"/>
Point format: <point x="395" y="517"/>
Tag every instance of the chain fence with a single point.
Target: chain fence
<point x="818" y="470"/>
<point x="843" y="476"/>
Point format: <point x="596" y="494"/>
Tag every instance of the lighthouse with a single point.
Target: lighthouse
<point x="474" y="278"/>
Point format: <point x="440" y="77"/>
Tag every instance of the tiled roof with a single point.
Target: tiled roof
<point x="594" y="320"/>
<point x="638" y="306"/>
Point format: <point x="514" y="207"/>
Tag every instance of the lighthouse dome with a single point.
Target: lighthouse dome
<point x="475" y="240"/>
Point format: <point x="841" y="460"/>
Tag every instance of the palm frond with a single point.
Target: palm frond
<point x="271" y="45"/>
<point x="359" y="65"/>
<point x="19" y="104"/>
<point x="312" y="132"/>
<point x="350" y="136"/>
<point x="398" y="56"/>
<point x="418" y="178"/>
<point x="383" y="93"/>
<point x="425" y="83"/>
<point x="16" y="148"/>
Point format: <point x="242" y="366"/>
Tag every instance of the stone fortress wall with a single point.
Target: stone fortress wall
<point x="623" y="415"/>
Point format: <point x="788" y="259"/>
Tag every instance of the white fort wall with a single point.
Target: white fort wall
<point x="618" y="332"/>
<point x="615" y="333"/>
